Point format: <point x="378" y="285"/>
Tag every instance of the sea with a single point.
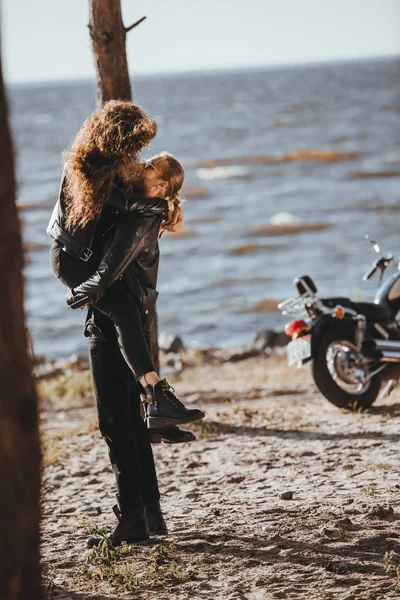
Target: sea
<point x="315" y="146"/>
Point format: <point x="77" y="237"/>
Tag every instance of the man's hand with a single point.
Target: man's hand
<point x="175" y="221"/>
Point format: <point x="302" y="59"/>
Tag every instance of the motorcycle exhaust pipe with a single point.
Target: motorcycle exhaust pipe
<point x="390" y="356"/>
<point x="383" y="345"/>
<point x="387" y="345"/>
<point x="383" y="350"/>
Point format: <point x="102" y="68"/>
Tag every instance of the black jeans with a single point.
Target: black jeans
<point x="120" y="422"/>
<point x="117" y="353"/>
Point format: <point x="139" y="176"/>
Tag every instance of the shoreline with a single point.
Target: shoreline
<point x="175" y="356"/>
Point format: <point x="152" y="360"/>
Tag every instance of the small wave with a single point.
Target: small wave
<point x="196" y="191"/>
<point x="206" y="219"/>
<point x="34" y="246"/>
<point x="373" y="174"/>
<point x="35" y="206"/>
<point x="288" y="228"/>
<point x="380" y="207"/>
<point x="302" y="154"/>
<point x="250" y="248"/>
<point x="241" y="281"/>
<point x="223" y="173"/>
<point x="283" y="218"/>
<point x="42" y="119"/>
<point x="185" y="233"/>
<point x="265" y="305"/>
<point x="284" y="123"/>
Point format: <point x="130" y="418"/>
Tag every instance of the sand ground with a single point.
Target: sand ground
<point x="232" y="534"/>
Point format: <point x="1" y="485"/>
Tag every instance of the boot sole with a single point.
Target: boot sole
<point x="152" y="533"/>
<point x="156" y="438"/>
<point x="156" y="422"/>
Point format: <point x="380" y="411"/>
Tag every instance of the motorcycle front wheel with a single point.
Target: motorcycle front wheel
<point x="338" y="374"/>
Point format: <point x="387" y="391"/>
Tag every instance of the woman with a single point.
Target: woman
<point x="96" y="205"/>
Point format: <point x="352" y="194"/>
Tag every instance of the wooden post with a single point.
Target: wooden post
<point x="19" y="436"/>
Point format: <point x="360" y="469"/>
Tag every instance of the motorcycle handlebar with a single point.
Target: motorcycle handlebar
<point x="371" y="272"/>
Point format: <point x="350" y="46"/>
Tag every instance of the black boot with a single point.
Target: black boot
<point x="170" y="434"/>
<point x="131" y="528"/>
<point x="164" y="408"/>
<point x="155" y="519"/>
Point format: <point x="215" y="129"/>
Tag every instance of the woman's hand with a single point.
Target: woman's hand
<point x="77" y="300"/>
<point x="175" y="221"/>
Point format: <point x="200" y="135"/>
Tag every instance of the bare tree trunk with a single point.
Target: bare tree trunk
<point x="108" y="35"/>
<point x="19" y="437"/>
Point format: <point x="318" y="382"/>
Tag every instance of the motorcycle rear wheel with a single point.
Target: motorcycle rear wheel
<point x="334" y="374"/>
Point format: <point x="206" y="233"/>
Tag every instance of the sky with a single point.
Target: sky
<point x="48" y="39"/>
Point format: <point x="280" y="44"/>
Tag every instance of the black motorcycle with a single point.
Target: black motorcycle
<point x="354" y="346"/>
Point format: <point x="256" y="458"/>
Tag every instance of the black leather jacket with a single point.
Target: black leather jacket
<point x="77" y="240"/>
<point x="130" y="253"/>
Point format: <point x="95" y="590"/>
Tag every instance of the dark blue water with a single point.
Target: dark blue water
<point x="206" y="291"/>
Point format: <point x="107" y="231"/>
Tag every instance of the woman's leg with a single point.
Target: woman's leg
<point x="164" y="408"/>
<point x="123" y="311"/>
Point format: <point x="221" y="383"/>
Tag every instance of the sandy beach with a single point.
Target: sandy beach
<point x="281" y="496"/>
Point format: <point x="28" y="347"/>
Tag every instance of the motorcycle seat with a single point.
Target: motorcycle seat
<point x="373" y="312"/>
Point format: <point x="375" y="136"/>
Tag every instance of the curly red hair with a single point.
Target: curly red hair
<point x="109" y="139"/>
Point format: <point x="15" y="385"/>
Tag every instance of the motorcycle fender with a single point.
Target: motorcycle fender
<point x="319" y="328"/>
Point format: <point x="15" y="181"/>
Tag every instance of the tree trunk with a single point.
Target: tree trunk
<point x="155" y="350"/>
<point x="108" y="35"/>
<point x="19" y="436"/>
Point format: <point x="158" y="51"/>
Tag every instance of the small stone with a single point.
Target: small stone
<point x="269" y="527"/>
<point x="286" y="553"/>
<point x="80" y="473"/>
<point x="337" y="567"/>
<point x="381" y="512"/>
<point x="286" y="496"/>
<point x="67" y="510"/>
<point x="345" y="524"/>
<point x="271" y="549"/>
<point x="170" y="343"/>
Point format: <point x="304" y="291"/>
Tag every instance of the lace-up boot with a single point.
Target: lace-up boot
<point x="131" y="527"/>
<point x="155" y="519"/>
<point x="164" y="408"/>
<point x="170" y="434"/>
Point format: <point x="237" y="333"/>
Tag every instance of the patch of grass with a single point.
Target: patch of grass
<point x="54" y="447"/>
<point x="62" y="443"/>
<point x="47" y="585"/>
<point x="103" y="564"/>
<point x="166" y="568"/>
<point x="91" y="526"/>
<point x="156" y="566"/>
<point x="392" y="563"/>
<point x="369" y="490"/>
<point x="382" y="466"/>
